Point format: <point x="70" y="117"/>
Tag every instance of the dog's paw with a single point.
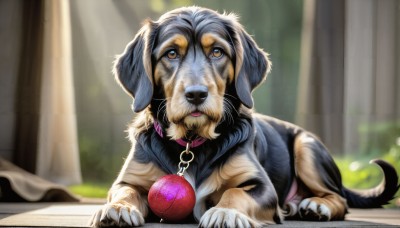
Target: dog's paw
<point x="117" y="215"/>
<point x="313" y="209"/>
<point x="224" y="217"/>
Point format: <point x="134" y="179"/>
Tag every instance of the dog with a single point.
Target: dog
<point x="191" y="74"/>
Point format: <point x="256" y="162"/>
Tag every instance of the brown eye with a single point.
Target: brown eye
<point x="172" y="54"/>
<point x="217" y="53"/>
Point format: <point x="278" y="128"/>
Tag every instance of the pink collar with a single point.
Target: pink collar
<point x="195" y="143"/>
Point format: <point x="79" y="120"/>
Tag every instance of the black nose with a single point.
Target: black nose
<point x="196" y="94"/>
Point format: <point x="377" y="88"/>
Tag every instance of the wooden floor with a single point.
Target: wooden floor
<point x="78" y="214"/>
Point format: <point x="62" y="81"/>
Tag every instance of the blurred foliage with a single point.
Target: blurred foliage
<point x="380" y="140"/>
<point x="90" y="190"/>
<point x="358" y="173"/>
<point x="378" y="137"/>
<point x="97" y="163"/>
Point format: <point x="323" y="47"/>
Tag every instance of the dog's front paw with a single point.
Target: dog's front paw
<point x="314" y="209"/>
<point x="117" y="215"/>
<point x="224" y="217"/>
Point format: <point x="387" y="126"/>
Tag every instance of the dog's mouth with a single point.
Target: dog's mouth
<point x="195" y="119"/>
<point x="196" y="114"/>
<point x="199" y="115"/>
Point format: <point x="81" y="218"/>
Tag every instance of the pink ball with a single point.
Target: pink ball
<point x="171" y="198"/>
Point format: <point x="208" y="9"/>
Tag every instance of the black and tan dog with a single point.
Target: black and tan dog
<point x="191" y="74"/>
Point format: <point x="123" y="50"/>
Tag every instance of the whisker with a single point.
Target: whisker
<point x="158" y="99"/>
<point x="228" y="111"/>
<point x="162" y="106"/>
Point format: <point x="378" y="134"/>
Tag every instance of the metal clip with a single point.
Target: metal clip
<point x="184" y="164"/>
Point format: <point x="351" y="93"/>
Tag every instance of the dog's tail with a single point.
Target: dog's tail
<point x="378" y="196"/>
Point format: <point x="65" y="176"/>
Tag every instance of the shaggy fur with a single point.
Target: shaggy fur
<point x="191" y="74"/>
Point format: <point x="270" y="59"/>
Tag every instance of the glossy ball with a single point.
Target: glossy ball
<point x="171" y="198"/>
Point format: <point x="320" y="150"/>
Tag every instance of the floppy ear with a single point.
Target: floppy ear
<point x="133" y="69"/>
<point x="252" y="66"/>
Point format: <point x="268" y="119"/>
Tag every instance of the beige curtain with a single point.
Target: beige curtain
<point x="40" y="74"/>
<point x="350" y="70"/>
<point x="58" y="153"/>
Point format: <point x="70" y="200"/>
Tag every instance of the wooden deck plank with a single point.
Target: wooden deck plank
<point x="45" y="214"/>
<point x="384" y="216"/>
<point x="78" y="214"/>
<point x="49" y="208"/>
<point x="30" y="220"/>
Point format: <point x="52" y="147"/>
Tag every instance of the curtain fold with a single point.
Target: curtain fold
<point x="58" y="153"/>
<point x="28" y="84"/>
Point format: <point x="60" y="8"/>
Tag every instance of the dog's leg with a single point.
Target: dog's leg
<point x="126" y="207"/>
<point x="317" y="170"/>
<point x="127" y="198"/>
<point x="244" y="196"/>
<point x="237" y="208"/>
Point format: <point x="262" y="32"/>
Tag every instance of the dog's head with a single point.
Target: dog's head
<point x="195" y="65"/>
